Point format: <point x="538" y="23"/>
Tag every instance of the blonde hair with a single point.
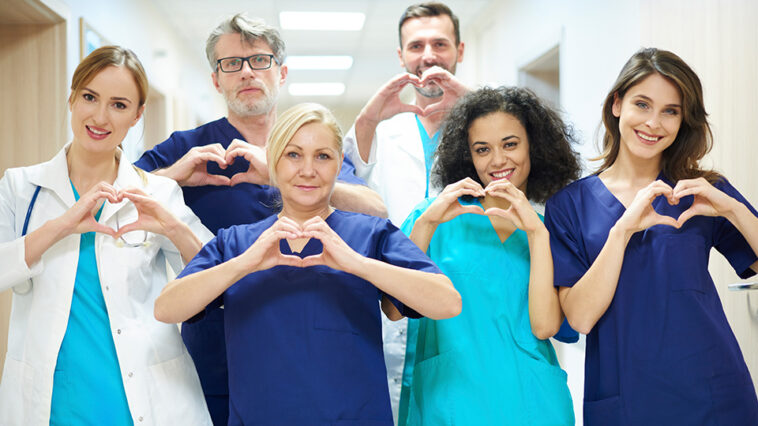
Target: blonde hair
<point x="289" y="123"/>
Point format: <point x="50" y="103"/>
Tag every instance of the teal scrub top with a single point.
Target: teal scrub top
<point x="483" y="367"/>
<point x="87" y="384"/>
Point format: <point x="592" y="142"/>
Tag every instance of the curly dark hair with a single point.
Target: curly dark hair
<point x="554" y="163"/>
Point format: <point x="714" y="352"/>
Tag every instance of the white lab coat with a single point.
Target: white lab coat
<point x="161" y="384"/>
<point x="395" y="169"/>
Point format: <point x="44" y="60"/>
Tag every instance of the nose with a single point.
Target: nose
<point x="653" y="121"/>
<point x="307" y="168"/>
<point x="428" y="54"/>
<point x="499" y="157"/>
<point x="247" y="70"/>
<point x="101" y="113"/>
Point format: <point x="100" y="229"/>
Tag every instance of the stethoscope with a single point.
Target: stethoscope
<point x="26" y="287"/>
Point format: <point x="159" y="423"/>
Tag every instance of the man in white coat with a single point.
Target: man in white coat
<point x="391" y="143"/>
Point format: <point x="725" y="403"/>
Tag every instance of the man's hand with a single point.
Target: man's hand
<point x="192" y="170"/>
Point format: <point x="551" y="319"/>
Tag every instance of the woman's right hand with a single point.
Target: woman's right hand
<point x="641" y="215"/>
<point x="446" y="206"/>
<point x="264" y="253"/>
<point x="80" y="218"/>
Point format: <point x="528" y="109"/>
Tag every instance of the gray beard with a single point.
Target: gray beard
<point x="261" y="107"/>
<point x="429" y="92"/>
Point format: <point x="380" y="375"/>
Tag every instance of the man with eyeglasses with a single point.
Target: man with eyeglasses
<point x="392" y="143"/>
<point x="222" y="169"/>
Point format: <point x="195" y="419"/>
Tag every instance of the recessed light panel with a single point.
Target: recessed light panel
<point x="322" y="21"/>
<point x="316" y="89"/>
<point x="319" y="62"/>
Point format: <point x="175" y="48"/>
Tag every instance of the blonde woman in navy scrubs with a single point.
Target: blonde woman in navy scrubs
<point x="301" y="291"/>
<point x="631" y="244"/>
<point x="84" y="244"/>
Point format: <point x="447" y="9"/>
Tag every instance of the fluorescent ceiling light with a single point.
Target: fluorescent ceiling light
<point x="319" y="62"/>
<point x="316" y="89"/>
<point x="322" y="21"/>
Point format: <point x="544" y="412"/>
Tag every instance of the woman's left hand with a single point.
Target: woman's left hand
<point x="153" y="217"/>
<point x="336" y="254"/>
<point x="521" y="212"/>
<point x="708" y="200"/>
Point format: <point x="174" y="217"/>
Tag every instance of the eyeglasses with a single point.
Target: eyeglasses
<point x="131" y="239"/>
<point x="256" y="62"/>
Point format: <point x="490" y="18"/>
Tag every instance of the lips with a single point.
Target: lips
<point x="97" y="133"/>
<point x="306" y="188"/>
<point x="646" y="138"/>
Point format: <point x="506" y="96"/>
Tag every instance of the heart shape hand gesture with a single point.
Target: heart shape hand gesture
<point x="641" y="215"/>
<point x="192" y="168"/>
<point x="265" y="252"/>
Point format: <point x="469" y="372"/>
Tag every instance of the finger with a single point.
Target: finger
<point x="290" y="260"/>
<point x="504" y="195"/>
<point x="314" y="220"/>
<point x="216" y="180"/>
<point x="465" y="191"/>
<point x="665" y="220"/>
<point x="205" y="157"/>
<point x="685" y="216"/>
<point x="99" y="227"/>
<point x="131" y="227"/>
<point x="496" y="211"/>
<point x="313" y="260"/>
<point x="472" y="209"/>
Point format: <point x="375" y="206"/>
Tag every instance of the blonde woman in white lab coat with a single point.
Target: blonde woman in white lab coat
<point x="83" y="243"/>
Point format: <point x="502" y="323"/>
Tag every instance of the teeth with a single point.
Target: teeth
<point x="97" y="132"/>
<point x="648" y="138"/>
<point x="502" y="174"/>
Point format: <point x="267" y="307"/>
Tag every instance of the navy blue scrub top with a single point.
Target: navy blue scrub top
<point x="218" y="207"/>
<point x="304" y="345"/>
<point x="663" y="352"/>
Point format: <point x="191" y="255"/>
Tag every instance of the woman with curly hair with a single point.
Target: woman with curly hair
<point x="631" y="245"/>
<point x="499" y="149"/>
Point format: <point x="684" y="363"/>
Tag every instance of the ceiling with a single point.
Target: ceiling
<point x="373" y="48"/>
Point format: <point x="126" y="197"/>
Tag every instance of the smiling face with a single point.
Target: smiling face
<point x="500" y="149"/>
<point x="650" y="115"/>
<point x="104" y="109"/>
<point x="426" y="42"/>
<point x="308" y="168"/>
<point x="247" y="92"/>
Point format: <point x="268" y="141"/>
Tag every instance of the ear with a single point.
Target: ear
<point x="400" y="57"/>
<point x="214" y="77"/>
<point x="283" y="70"/>
<point x="140" y="111"/>
<point x="616" y="107"/>
<point x="460" y="52"/>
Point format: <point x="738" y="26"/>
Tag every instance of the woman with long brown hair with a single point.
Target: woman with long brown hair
<point x="630" y="247"/>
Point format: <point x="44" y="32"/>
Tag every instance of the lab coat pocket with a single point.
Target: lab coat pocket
<point x="16" y="393"/>
<point x="603" y="412"/>
<point x="177" y="396"/>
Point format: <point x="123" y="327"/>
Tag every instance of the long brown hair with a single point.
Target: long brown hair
<point x="694" y="140"/>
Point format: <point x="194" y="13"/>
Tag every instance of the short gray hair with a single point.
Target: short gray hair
<point x="251" y="31"/>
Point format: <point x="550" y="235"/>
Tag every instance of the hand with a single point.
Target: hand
<point x="257" y="172"/>
<point x="152" y="216"/>
<point x="80" y="218"/>
<point x="336" y="254"/>
<point x="520" y="213"/>
<point x="265" y="253"/>
<point x="192" y="168"/>
<point x="640" y="214"/>
<point x="386" y="102"/>
<point x="446" y="206"/>
<point x="708" y="200"/>
<point x="452" y="89"/>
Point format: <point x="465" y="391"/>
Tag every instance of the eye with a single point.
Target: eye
<point x="259" y="59"/>
<point x="119" y="105"/>
<point x="324" y="156"/>
<point x="88" y="97"/>
<point x="414" y="46"/>
<point x="292" y="154"/>
<point x="440" y="44"/>
<point x="671" y="111"/>
<point x="510" y="145"/>
<point x="641" y="105"/>
<point x="482" y="150"/>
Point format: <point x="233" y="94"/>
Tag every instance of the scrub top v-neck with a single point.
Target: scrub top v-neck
<point x="304" y="345"/>
<point x="663" y="352"/>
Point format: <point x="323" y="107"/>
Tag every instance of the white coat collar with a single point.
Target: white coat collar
<point x="53" y="175"/>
